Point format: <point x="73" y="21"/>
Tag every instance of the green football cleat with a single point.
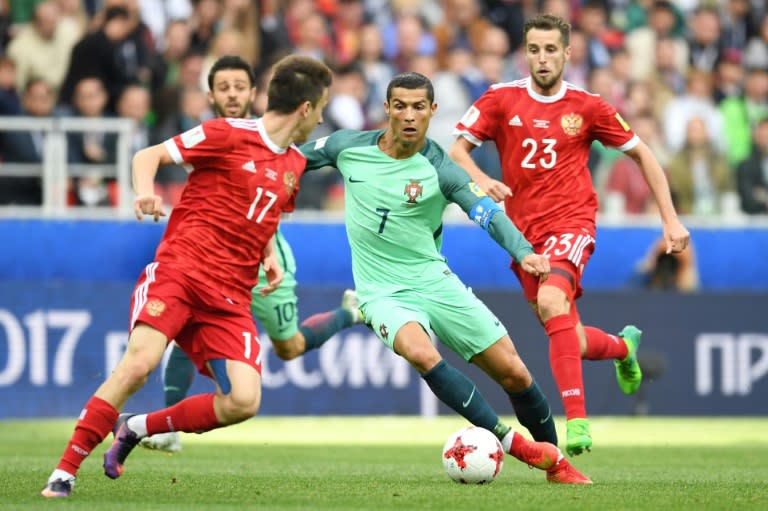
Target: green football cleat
<point x="578" y="436"/>
<point x="628" y="372"/>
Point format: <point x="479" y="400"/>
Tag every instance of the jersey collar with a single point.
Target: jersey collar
<point x="545" y="99"/>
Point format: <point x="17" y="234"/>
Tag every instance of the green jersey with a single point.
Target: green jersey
<point x="394" y="210"/>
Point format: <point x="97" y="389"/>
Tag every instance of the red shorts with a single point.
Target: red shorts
<point x="203" y="322"/>
<point x="568" y="254"/>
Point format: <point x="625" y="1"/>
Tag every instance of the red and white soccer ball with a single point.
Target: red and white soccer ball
<point x="473" y="456"/>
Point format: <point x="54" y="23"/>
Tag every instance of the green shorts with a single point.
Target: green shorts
<point x="277" y="313"/>
<point x="448" y="308"/>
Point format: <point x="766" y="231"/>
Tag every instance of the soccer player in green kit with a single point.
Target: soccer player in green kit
<point x="397" y="185"/>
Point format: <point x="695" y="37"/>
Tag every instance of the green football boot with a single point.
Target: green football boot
<point x="628" y="372"/>
<point x="578" y="436"/>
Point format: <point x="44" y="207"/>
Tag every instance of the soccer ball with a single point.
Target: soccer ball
<point x="473" y="456"/>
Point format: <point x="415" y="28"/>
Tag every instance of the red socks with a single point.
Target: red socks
<point x="565" y="361"/>
<point x="96" y="422"/>
<point x="194" y="414"/>
<point x="601" y="345"/>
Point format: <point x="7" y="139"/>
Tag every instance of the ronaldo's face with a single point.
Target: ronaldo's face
<point x="409" y="112"/>
<point x="546" y="58"/>
<point x="232" y="93"/>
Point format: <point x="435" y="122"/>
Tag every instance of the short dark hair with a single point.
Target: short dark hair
<point x="116" y="11"/>
<point x="230" y="62"/>
<point x="411" y="80"/>
<point x="296" y="79"/>
<point x="549" y="22"/>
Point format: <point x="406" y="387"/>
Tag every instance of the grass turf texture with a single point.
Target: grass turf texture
<point x="387" y="463"/>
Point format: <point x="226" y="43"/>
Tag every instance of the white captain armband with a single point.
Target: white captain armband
<point x="483" y="210"/>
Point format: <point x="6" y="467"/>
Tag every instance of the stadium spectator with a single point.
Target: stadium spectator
<point x="696" y="101"/>
<point x="756" y="52"/>
<point x="26" y="146"/>
<point x="579" y="69"/>
<point x="378" y="72"/>
<point x="406" y="38"/>
<point x="243" y="16"/>
<point x="166" y="102"/>
<point x="225" y="42"/>
<point x="42" y="48"/>
<point x="737" y="24"/>
<point x="663" y="271"/>
<point x="10" y="104"/>
<point x="165" y="65"/>
<point x="73" y="13"/>
<point x="664" y="21"/>
<point x="729" y="78"/>
<point x="705" y="41"/>
<point x="205" y="17"/>
<point x="346" y="26"/>
<point x="752" y="174"/>
<point x="98" y="55"/>
<point x="698" y="173"/>
<point x="134" y="104"/>
<point x="462" y="26"/>
<point x="158" y="15"/>
<point x="91" y="147"/>
<point x="592" y="20"/>
<point x="742" y="113"/>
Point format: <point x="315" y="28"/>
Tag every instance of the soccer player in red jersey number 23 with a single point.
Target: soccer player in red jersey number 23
<point x="543" y="128"/>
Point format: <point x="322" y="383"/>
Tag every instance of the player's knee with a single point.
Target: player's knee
<point x="516" y="378"/>
<point x="287" y="350"/>
<point x="551" y="305"/>
<point x="421" y="357"/>
<point x="238" y="405"/>
<point x="132" y="373"/>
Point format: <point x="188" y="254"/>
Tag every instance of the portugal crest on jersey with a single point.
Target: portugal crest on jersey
<point x="289" y="179"/>
<point x="571" y="123"/>
<point x="413" y="191"/>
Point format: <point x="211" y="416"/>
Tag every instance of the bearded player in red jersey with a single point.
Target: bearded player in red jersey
<point x="243" y="175"/>
<point x="543" y="128"/>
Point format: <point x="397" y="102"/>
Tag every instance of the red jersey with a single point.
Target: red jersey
<point x="239" y="184"/>
<point x="543" y="144"/>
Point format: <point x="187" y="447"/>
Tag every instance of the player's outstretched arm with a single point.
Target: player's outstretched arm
<point x="676" y="235"/>
<point x="459" y="153"/>
<point x="143" y="169"/>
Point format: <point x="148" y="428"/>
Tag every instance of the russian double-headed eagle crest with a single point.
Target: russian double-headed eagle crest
<point x="571" y="123"/>
<point x="289" y="179"/>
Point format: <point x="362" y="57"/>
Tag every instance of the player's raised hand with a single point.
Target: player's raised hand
<point x="536" y="264"/>
<point x="274" y="273"/>
<point x="496" y="190"/>
<point x="676" y="236"/>
<point x="148" y="205"/>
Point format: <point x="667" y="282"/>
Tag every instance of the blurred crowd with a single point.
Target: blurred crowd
<point x="690" y="77"/>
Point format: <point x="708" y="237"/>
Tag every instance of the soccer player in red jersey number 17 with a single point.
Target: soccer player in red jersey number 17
<point x="243" y="174"/>
<point x="543" y="128"/>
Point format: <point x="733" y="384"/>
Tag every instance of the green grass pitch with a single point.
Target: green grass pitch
<point x="393" y="463"/>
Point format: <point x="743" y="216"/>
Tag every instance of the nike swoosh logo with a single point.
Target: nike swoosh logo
<point x="355" y="180"/>
<point x="466" y="403"/>
<point x="545" y="419"/>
